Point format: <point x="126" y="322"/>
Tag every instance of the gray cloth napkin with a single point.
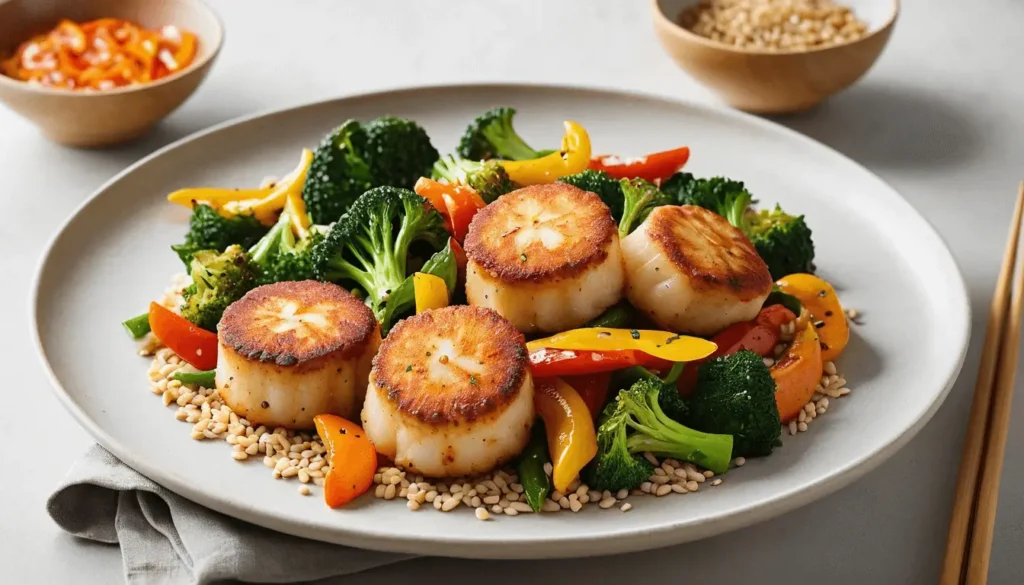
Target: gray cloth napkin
<point x="166" y="539"/>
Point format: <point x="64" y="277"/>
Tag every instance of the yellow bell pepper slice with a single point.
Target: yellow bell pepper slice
<point x="573" y="158"/>
<point x="431" y="292"/>
<point x="572" y="440"/>
<point x="263" y="203"/>
<point x="215" y="197"/>
<point x="296" y="208"/>
<point x="660" y="344"/>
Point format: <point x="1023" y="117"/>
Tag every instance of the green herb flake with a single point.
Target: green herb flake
<point x="635" y="334"/>
<point x="472" y="380"/>
<point x="408" y="368"/>
<point x="522" y="257"/>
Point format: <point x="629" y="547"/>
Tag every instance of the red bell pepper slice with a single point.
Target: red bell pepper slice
<point x="592" y="388"/>
<point x="759" y="336"/>
<point x="194" y="345"/>
<point x="653" y="167"/>
<point x="548" y="363"/>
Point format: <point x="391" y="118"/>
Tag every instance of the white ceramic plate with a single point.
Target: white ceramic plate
<point x="112" y="258"/>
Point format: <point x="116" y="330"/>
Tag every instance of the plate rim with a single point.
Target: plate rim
<point x="583" y="546"/>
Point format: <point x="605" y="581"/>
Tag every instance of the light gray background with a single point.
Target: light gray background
<point x="939" y="117"/>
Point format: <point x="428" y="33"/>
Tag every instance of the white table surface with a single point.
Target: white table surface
<point x="939" y="117"/>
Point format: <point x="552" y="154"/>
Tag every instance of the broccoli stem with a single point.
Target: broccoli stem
<point x="137" y="326"/>
<point x="659" y="434"/>
<point x="675" y="372"/>
<point x="511" y="146"/>
<point x="206" y="379"/>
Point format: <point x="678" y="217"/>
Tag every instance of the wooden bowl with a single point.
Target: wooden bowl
<point x="775" y="82"/>
<point x="104" y="118"/>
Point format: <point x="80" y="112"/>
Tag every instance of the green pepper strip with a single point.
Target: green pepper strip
<point x="205" y="379"/>
<point x="536" y="484"/>
<point x="137" y="327"/>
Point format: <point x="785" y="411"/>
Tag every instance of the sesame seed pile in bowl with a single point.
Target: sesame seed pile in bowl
<point x="774" y="25"/>
<point x="302" y="455"/>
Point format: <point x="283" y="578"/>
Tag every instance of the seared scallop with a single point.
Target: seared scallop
<point x="545" y="257"/>
<point x="292" y="350"/>
<point x="691" y="271"/>
<point x="450" y="393"/>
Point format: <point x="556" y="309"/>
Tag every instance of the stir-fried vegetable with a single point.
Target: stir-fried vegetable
<point x="569" y="427"/>
<point x="653" y="167"/>
<point x="827" y="314"/>
<point x="431" y="292"/>
<point x="351" y="455"/>
<point x="735" y="395"/>
<point x="530" y="468"/>
<point x="661" y="344"/>
<point x="371" y="244"/>
<point x="492" y="135"/>
<point x="573" y="158"/>
<point x="196" y="346"/>
<point x="797" y="373"/>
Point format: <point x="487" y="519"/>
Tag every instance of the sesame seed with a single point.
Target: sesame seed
<point x="304" y="490"/>
<point x="740" y="461"/>
<point x="626" y="507"/>
<point x="482" y="514"/>
<point x="716" y="482"/>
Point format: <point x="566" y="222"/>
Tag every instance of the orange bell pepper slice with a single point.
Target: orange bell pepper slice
<point x="458" y="204"/>
<point x="194" y="345"/>
<point x="821" y="301"/>
<point x="572" y="441"/>
<point x="797" y="373"/>
<point x="351" y="455"/>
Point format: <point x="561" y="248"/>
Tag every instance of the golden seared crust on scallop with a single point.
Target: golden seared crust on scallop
<point x="450" y="393"/>
<point x="711" y="250"/>
<point x="291" y="350"/>
<point x="451" y="365"/>
<point x="541" y="232"/>
<point x="291" y="323"/>
<point x="691" y="271"/>
<point x="545" y="257"/>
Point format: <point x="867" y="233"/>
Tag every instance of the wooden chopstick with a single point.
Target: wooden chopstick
<point x="995" y="447"/>
<point x="969" y="542"/>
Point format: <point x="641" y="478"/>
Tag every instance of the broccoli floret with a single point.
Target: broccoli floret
<point x="657" y="433"/>
<point x="356" y="157"/>
<point x="492" y="135"/>
<point x="614" y="467"/>
<point x="280" y="257"/>
<point x="218" y="279"/>
<point x="369" y="245"/>
<point x="715" y="194"/>
<point x="783" y="241"/>
<point x="640" y="197"/>
<point x="601" y="184"/>
<point x="338" y="174"/>
<point x="668" y="396"/>
<point x="209" y="230"/>
<point x="735" y="394"/>
<point x="399" y="151"/>
<point x="636" y="422"/>
<point x="488" y="178"/>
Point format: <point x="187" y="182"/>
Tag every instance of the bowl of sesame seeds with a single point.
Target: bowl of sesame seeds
<point x="775" y="56"/>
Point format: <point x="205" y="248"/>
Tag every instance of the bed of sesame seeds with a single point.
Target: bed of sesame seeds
<point x="302" y="456"/>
